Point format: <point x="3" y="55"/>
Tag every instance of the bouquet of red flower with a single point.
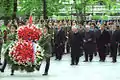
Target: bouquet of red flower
<point x="25" y="55"/>
<point x="29" y="32"/>
<point x="22" y="53"/>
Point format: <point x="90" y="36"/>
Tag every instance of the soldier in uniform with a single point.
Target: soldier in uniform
<point x="45" y="43"/>
<point x="51" y="30"/>
<point x="1" y="42"/>
<point x="68" y="33"/>
<point x="65" y="26"/>
<point x="10" y="38"/>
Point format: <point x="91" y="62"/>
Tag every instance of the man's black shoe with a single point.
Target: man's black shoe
<point x="11" y="74"/>
<point x="0" y="63"/>
<point x="76" y="64"/>
<point x="1" y="70"/>
<point x="85" y="61"/>
<point x="38" y="67"/>
<point x="45" y="74"/>
<point x="72" y="64"/>
<point x="100" y="60"/>
<point x="90" y="60"/>
<point x="114" y="61"/>
<point x="56" y="59"/>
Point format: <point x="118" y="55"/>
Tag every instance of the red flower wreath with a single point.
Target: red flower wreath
<point x="29" y="32"/>
<point x="22" y="53"/>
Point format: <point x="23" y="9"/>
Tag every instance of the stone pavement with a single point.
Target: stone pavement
<point x="62" y="70"/>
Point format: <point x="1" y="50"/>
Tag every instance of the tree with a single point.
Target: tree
<point x="53" y="7"/>
<point x="44" y="10"/>
<point x="14" y="9"/>
<point x="30" y="7"/>
<point x="7" y="8"/>
<point x="37" y="7"/>
<point x="81" y="6"/>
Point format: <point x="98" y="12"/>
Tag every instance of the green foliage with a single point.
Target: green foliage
<point x="28" y="7"/>
<point x="95" y="17"/>
<point x="7" y="7"/>
<point x="53" y="7"/>
<point x="35" y="7"/>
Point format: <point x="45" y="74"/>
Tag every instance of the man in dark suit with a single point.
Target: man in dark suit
<point x="59" y="42"/>
<point x="76" y="46"/>
<point x="95" y="29"/>
<point x="102" y="42"/>
<point x="89" y="44"/>
<point x="114" y="44"/>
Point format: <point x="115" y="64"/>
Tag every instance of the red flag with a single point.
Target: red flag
<point x="30" y="19"/>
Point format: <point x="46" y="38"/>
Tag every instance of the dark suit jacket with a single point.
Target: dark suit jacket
<point x="59" y="37"/>
<point x="103" y="39"/>
<point x="76" y="44"/>
<point x="90" y="40"/>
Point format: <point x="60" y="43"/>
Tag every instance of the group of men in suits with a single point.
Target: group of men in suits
<point x="92" y="39"/>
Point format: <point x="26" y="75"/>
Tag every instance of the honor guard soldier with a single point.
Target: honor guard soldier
<point x="45" y="43"/>
<point x="10" y="38"/>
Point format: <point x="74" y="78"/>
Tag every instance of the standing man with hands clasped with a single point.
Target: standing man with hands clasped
<point x="76" y="45"/>
<point x="89" y="44"/>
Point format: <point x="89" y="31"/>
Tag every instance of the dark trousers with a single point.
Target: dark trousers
<point x="102" y="53"/>
<point x="4" y="66"/>
<point x="59" y="52"/>
<point x="114" y="52"/>
<point x="47" y="65"/>
<point x="74" y="59"/>
<point x="95" y="52"/>
<point x="90" y="55"/>
<point x="0" y="51"/>
<point x="68" y="47"/>
<point x="119" y="48"/>
<point x="53" y="47"/>
<point x="108" y="50"/>
<point x="53" y="51"/>
<point x="63" y="47"/>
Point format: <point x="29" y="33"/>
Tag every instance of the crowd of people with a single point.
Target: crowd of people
<point x="70" y="37"/>
<point x="88" y="39"/>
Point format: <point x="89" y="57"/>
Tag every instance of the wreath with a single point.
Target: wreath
<point x="26" y="54"/>
<point x="29" y="32"/>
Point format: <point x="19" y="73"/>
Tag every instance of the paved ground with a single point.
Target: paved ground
<point x="61" y="70"/>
